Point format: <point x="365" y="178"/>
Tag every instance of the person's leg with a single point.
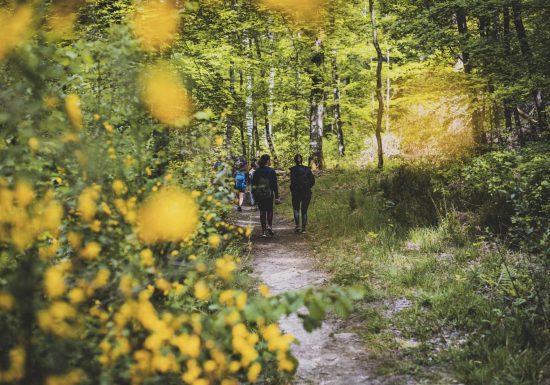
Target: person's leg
<point x="263" y="221"/>
<point x="270" y="221"/>
<point x="241" y="200"/>
<point x="296" y="209"/>
<point x="305" y="205"/>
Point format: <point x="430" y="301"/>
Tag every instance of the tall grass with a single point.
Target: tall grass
<point x="450" y="278"/>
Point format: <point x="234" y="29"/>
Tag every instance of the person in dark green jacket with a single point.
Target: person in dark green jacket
<point x="301" y="182"/>
<point x="265" y="189"/>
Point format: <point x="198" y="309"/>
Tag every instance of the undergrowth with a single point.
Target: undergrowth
<point x="471" y="296"/>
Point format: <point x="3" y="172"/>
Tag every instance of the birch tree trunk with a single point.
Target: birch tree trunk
<point x="379" y="96"/>
<point x="317" y="111"/>
<point x="268" y="106"/>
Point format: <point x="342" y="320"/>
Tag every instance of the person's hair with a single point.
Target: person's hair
<point x="298" y="159"/>
<point x="264" y="159"/>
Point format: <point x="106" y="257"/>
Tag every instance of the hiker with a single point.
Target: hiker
<point x="301" y="182"/>
<point x="265" y="189"/>
<point x="240" y="176"/>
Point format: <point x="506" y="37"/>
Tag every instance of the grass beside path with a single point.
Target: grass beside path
<point x="434" y="309"/>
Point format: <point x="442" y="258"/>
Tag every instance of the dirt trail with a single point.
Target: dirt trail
<point x="328" y="356"/>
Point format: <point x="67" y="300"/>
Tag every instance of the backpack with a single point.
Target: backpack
<point x="240" y="180"/>
<point x="301" y="181"/>
<point x="262" y="190"/>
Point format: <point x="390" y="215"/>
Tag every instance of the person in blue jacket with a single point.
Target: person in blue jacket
<point x="301" y="182"/>
<point x="266" y="191"/>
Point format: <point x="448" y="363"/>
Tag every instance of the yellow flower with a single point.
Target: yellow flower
<point x="264" y="290"/>
<point x="188" y="345"/>
<point x="108" y="127"/>
<point x="97" y="117"/>
<point x="16" y="369"/>
<point x="15" y="28"/>
<point x="163" y="285"/>
<point x="73" y="377"/>
<point x="87" y="203"/>
<point x="96" y="226"/>
<point x="6" y="301"/>
<point x="72" y="106"/>
<point x="76" y="295"/>
<point x="52" y="215"/>
<point x="241" y="300"/>
<point x="146" y="257"/>
<point x="226" y="297"/>
<point x="165" y="363"/>
<point x="119" y="187"/>
<point x="74" y="239"/>
<point x="225" y="267"/>
<point x="214" y="241"/>
<point x="254" y="372"/>
<point x="34" y="144"/>
<point x="102" y="278"/>
<point x="54" y="282"/>
<point x="218" y="140"/>
<point x="192" y="373"/>
<point x="155" y="24"/>
<point x="202" y="292"/>
<point x="195" y="194"/>
<point x="91" y="250"/>
<point x="169" y="215"/>
<point x="24" y="193"/>
<point x="234" y="366"/>
<point x="165" y="96"/>
<point x="126" y="285"/>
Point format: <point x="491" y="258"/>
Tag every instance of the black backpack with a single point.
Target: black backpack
<point x="301" y="181"/>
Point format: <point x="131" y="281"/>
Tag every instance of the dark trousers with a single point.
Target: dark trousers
<point x="300" y="204"/>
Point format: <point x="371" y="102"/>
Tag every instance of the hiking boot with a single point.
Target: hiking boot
<point x="239" y="208"/>
<point x="264" y="234"/>
<point x="304" y="230"/>
<point x="297" y="230"/>
<point x="270" y="232"/>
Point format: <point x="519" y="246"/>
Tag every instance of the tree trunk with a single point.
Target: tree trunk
<point x="538" y="99"/>
<point x="256" y="136"/>
<point x="519" y="128"/>
<point x="268" y="107"/>
<point x="380" y="113"/>
<point x="317" y="112"/>
<point x="388" y="94"/>
<point x="337" y="118"/>
<point x="480" y="139"/>
<point x="229" y="127"/>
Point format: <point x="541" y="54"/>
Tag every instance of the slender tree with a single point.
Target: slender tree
<point x="379" y="96"/>
<point x="317" y="111"/>
<point x="337" y="117"/>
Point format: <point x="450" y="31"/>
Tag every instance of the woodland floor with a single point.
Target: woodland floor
<point x="333" y="354"/>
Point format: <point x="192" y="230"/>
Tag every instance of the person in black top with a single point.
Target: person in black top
<point x="301" y="182"/>
<point x="265" y="189"/>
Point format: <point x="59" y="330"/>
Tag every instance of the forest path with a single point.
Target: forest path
<point x="329" y="355"/>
